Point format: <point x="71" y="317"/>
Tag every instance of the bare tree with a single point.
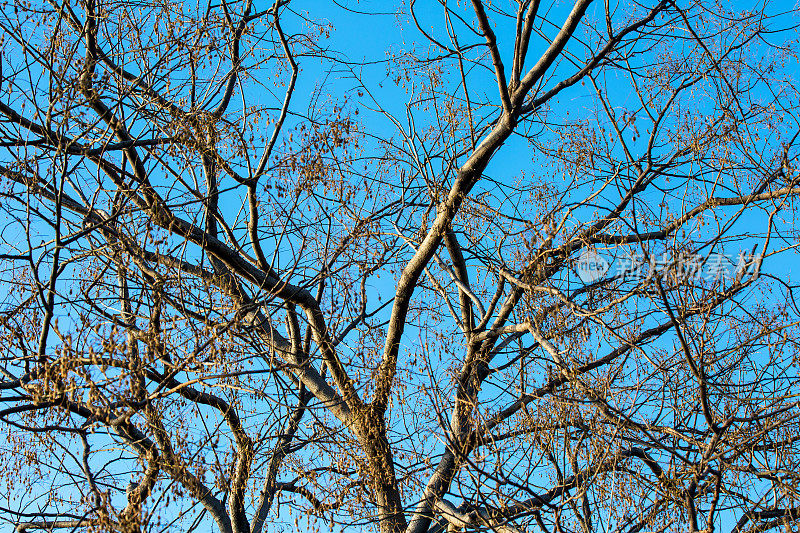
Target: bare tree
<point x="523" y="266"/>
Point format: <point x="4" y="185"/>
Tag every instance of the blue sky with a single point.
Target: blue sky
<point x="356" y="38"/>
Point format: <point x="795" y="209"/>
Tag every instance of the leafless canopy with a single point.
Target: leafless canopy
<point x="466" y="266"/>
